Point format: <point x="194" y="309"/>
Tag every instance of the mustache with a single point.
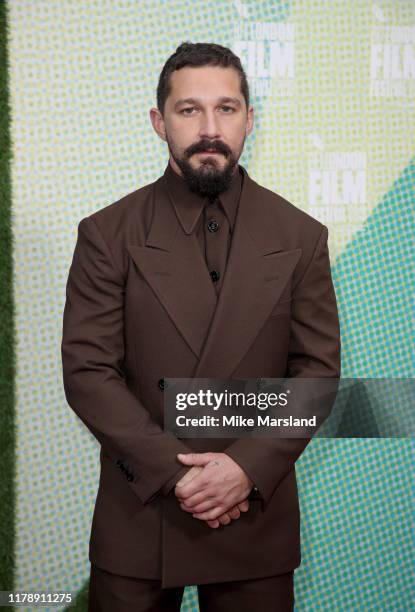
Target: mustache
<point x="203" y="145"/>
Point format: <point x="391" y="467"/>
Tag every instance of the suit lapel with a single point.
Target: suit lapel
<point x="218" y="329"/>
<point x="173" y="265"/>
<point x="256" y="273"/>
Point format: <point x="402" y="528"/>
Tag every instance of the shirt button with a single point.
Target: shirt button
<point x="162" y="384"/>
<point x="214" y="275"/>
<point x="213" y="225"/>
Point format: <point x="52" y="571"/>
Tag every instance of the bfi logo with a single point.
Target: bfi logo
<point x="392" y="61"/>
<point x="267" y="52"/>
<point x="337" y="186"/>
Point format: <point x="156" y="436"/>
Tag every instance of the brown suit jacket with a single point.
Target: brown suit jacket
<point x="141" y="306"/>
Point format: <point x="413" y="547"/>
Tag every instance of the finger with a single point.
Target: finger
<point x="195" y="458"/>
<point x="199" y="485"/>
<point x="234" y="513"/>
<point x="206" y="504"/>
<point x="224" y="519"/>
<point x="186" y="478"/>
<point x="191" y="499"/>
<point x="194" y="471"/>
<point x="210" y="514"/>
<point x="214" y="524"/>
<point x="244" y="506"/>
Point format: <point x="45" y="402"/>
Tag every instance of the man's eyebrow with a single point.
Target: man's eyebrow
<point x="221" y="100"/>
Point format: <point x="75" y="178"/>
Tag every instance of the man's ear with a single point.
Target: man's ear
<point x="250" y="120"/>
<point x="157" y="122"/>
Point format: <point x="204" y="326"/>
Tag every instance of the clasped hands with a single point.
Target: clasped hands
<point x="215" y="489"/>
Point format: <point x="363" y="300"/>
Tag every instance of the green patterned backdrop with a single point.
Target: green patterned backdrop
<point x="333" y="87"/>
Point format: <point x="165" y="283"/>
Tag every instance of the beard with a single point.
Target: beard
<point x="208" y="180"/>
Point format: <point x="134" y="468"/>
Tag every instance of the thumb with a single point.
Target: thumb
<point x="194" y="458"/>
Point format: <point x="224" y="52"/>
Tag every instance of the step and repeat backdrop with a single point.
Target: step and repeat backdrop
<point x="333" y="88"/>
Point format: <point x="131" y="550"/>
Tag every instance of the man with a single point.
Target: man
<point x="203" y="273"/>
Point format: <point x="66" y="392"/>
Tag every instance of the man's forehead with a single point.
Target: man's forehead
<point x="199" y="74"/>
<point x="213" y="85"/>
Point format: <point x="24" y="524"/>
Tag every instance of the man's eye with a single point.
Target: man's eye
<point x="188" y="110"/>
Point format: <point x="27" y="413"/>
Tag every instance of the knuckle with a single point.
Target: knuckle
<point x="214" y="514"/>
<point x="225" y="519"/>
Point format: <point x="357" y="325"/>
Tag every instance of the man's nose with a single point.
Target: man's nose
<point x="209" y="127"/>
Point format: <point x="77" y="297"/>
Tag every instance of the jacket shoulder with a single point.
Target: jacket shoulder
<point x="294" y="227"/>
<point x="122" y="211"/>
<point x="125" y="221"/>
<point x="290" y="211"/>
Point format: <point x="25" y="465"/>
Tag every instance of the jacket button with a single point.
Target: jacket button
<point x="162" y="384"/>
<point x="215" y="275"/>
<point x="213" y="225"/>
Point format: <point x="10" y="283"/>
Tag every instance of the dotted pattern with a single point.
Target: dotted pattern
<point x="356" y="501"/>
<point x="374" y="279"/>
<point x="372" y="408"/>
<point x="83" y="75"/>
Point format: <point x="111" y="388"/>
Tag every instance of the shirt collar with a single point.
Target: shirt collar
<point x="189" y="205"/>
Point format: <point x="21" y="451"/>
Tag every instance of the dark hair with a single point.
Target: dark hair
<point x="199" y="54"/>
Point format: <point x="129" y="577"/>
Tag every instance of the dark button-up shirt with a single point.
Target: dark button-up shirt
<point x="212" y="221"/>
<point x="198" y="214"/>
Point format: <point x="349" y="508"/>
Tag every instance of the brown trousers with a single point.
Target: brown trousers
<point x="112" y="593"/>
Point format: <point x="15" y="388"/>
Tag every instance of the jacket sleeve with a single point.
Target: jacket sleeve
<point x="92" y="364"/>
<point x="314" y="352"/>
